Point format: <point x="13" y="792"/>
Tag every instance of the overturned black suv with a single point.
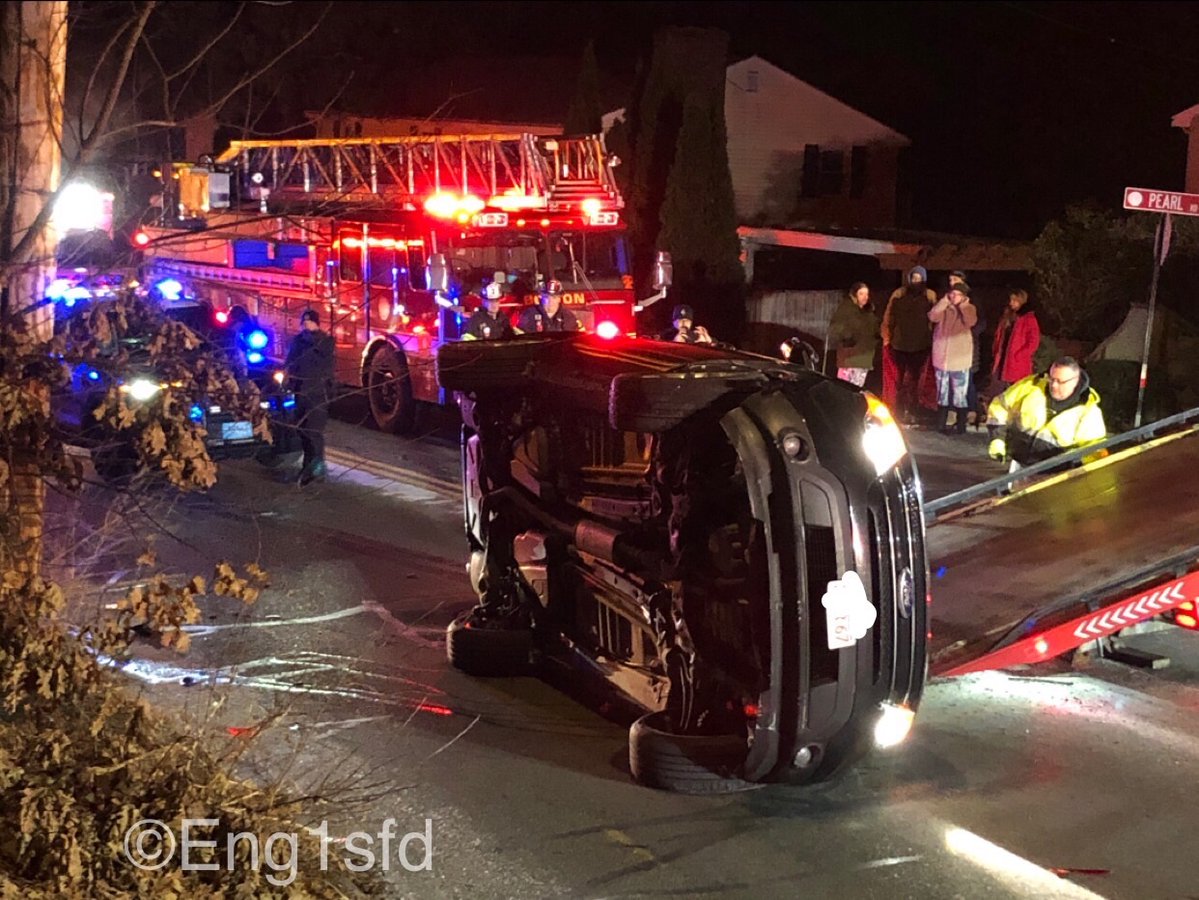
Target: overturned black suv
<point x="733" y="542"/>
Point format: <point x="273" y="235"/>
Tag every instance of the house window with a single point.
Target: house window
<point x="810" y="185"/>
<point x="857" y="171"/>
<point x="751" y="82"/>
<point x="832" y="174"/>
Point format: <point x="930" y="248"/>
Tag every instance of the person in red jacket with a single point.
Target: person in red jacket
<point x="1016" y="341"/>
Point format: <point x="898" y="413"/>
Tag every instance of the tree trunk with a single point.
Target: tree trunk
<point x="33" y="68"/>
<point x="33" y="55"/>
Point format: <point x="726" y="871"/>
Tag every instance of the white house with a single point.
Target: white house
<point x="802" y="158"/>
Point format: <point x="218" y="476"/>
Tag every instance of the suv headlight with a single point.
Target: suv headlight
<point x="882" y="440"/>
<point x="141" y="389"/>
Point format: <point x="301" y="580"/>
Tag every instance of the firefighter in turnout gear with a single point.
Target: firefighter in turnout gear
<point x="549" y="314"/>
<point x="1045" y="415"/>
<point x="487" y="322"/>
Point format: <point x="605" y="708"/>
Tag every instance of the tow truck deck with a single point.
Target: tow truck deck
<point x="1020" y="575"/>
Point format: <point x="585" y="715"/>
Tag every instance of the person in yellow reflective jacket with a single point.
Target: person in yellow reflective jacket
<point x="1045" y="414"/>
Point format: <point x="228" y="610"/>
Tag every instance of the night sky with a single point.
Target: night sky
<point x="1014" y="109"/>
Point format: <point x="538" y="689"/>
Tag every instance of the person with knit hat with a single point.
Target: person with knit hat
<point x="907" y="340"/>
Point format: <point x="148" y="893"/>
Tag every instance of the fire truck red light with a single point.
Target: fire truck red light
<point x="607" y="330"/>
<point x="1186" y="621"/>
<point x="1042" y="646"/>
<point x="141" y="239"/>
<point x="752" y="710"/>
<point x="222" y="318"/>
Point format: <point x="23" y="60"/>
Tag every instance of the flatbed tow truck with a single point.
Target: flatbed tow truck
<point x="1036" y="564"/>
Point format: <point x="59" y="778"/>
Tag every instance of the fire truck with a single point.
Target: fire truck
<point x="393" y="241"/>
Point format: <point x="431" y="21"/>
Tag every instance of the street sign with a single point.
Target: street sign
<point x="1147" y="200"/>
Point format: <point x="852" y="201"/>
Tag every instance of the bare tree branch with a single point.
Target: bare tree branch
<point x="162" y="72"/>
<point x="114" y="93"/>
<point x="195" y="60"/>
<point x="87" y="146"/>
<point x="262" y="70"/>
<point x="91" y="81"/>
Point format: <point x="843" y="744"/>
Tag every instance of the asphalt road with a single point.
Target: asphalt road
<point x="1006" y="777"/>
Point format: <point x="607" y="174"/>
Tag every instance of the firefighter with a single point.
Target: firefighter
<point x="549" y="314"/>
<point x="487" y="323"/>
<point x="310" y="372"/>
<point x="1045" y="415"/>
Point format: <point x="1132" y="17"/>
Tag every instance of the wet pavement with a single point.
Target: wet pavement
<point x="1006" y="778"/>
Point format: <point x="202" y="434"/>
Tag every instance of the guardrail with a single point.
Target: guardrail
<point x="1001" y="486"/>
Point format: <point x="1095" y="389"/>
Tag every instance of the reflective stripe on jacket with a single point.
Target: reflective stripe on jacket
<point x="1033" y="434"/>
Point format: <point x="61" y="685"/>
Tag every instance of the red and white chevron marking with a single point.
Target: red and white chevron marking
<point x="1046" y="644"/>
<point x="1112" y="620"/>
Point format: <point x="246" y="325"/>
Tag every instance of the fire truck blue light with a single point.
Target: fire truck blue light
<point x="258" y="339"/>
<point x="254" y="357"/>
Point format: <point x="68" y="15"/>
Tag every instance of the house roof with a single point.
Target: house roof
<point x="1183" y="119"/>
<point x="902" y="249"/>
<point x="762" y="61"/>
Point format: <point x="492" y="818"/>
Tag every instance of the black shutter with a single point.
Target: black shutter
<point x="857" y="171"/>
<point x="811" y="171"/>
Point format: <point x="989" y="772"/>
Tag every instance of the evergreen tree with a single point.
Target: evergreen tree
<point x="685" y="61"/>
<point x="698" y="219"/>
<point x="586" y="111"/>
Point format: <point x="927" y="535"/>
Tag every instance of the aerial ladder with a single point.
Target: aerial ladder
<point x="503" y="171"/>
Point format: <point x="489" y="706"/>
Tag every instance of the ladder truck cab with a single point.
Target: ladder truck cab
<point x="394" y="241"/>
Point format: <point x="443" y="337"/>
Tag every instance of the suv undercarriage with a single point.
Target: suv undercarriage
<point x="679" y="517"/>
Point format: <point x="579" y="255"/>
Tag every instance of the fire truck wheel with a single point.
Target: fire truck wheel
<point x="656" y="403"/>
<point x="686" y="763"/>
<point x="390" y="392"/>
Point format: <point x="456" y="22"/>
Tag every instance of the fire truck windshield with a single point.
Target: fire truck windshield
<point x="475" y="259"/>
<point x="578" y="258"/>
<point x="595" y="258"/>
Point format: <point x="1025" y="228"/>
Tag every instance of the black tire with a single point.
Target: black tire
<point x="686" y="763"/>
<point x="488" y="650"/>
<point x="490" y="365"/>
<point x="389" y="391"/>
<point x="659" y="402"/>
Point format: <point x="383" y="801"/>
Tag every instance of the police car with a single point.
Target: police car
<point x="127" y="364"/>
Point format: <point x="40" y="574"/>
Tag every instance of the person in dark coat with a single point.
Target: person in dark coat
<point x="309" y="369"/>
<point x="854" y="334"/>
<point x="907" y="341"/>
<point x="683" y="329"/>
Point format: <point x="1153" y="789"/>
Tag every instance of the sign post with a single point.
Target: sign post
<point x="1167" y="203"/>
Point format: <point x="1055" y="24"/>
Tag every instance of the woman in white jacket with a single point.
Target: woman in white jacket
<point x="953" y="352"/>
